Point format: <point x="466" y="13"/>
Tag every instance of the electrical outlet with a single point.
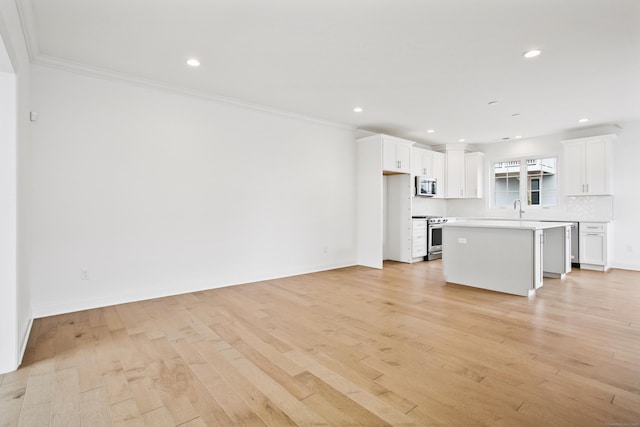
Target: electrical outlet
<point x="84" y="274"/>
<point x="462" y="240"/>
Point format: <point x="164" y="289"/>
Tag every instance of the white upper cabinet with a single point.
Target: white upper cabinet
<point x="587" y="166"/>
<point x="455" y="170"/>
<point x="464" y="174"/>
<point x="421" y="162"/>
<point x="474" y="171"/>
<point x="396" y="155"/>
<point x="438" y="173"/>
<point x="429" y="163"/>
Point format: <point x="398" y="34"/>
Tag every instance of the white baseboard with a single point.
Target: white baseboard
<point x="17" y="357"/>
<point x="24" y="340"/>
<point x="626" y="267"/>
<point x="594" y="267"/>
<point x="71" y="306"/>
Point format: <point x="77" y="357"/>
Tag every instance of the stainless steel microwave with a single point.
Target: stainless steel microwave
<point x="426" y="186"/>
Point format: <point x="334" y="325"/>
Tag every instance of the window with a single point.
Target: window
<point x="507" y="182"/>
<point x="537" y="176"/>
<point x="534" y="191"/>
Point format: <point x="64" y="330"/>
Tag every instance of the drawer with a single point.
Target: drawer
<point x="419" y="236"/>
<point x="419" y="224"/>
<point x="592" y="227"/>
<point x="418" y="251"/>
<point x="416" y="247"/>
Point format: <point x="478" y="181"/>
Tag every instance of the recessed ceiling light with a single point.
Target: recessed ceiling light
<point x="518" y="136"/>
<point x="532" y="53"/>
<point x="583" y="120"/>
<point x="492" y="103"/>
<point x="358" y="109"/>
<point x="461" y="140"/>
<point x="515" y="115"/>
<point x="430" y="131"/>
<point x="193" y="62"/>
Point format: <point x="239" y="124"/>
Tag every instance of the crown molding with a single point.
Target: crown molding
<point x="457" y="146"/>
<point x="28" y="25"/>
<point x="97" y="72"/>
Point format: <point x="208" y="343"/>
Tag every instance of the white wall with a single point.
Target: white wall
<point x="15" y="300"/>
<point x="626" y="201"/>
<point x="157" y="193"/>
<point x="623" y="208"/>
<point x="428" y="206"/>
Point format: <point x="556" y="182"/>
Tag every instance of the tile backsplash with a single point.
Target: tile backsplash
<point x="590" y="207"/>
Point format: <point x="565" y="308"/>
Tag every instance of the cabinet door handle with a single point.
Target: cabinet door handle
<point x="399" y="164"/>
<point x="593" y="234"/>
<point x="587" y="188"/>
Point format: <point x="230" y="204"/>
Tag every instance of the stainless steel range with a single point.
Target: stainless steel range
<point x="434" y="237"/>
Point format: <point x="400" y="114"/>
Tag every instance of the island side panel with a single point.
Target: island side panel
<point x="557" y="252"/>
<point x="497" y="259"/>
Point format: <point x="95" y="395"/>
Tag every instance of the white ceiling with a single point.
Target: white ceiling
<point x="412" y="65"/>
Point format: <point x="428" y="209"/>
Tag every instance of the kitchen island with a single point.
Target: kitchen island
<point x="505" y="256"/>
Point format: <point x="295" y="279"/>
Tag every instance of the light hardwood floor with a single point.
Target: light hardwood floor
<point x="354" y="346"/>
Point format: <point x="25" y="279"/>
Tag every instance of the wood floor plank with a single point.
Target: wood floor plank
<point x="282" y="377"/>
<point x="335" y="406"/>
<point x="209" y="409"/>
<point x="141" y="388"/>
<point x="352" y="346"/>
<point x="224" y="394"/>
<point x="65" y="402"/>
<point x="159" y="417"/>
<point x="259" y="403"/>
<point x="36" y="407"/>
<point x="94" y="408"/>
<point x="289" y="403"/>
<point x="11" y="398"/>
<point x="126" y="414"/>
<point x="365" y="399"/>
<point x="173" y="385"/>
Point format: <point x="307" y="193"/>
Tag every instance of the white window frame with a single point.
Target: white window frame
<point x="524" y="181"/>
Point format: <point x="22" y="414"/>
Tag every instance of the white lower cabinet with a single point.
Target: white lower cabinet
<point x="594" y="246"/>
<point x="418" y="240"/>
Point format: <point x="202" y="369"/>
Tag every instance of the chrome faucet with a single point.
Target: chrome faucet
<point x="518" y="203"/>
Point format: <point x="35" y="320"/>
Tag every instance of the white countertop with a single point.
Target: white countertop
<point x="521" y="225"/>
<point x="552" y="219"/>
